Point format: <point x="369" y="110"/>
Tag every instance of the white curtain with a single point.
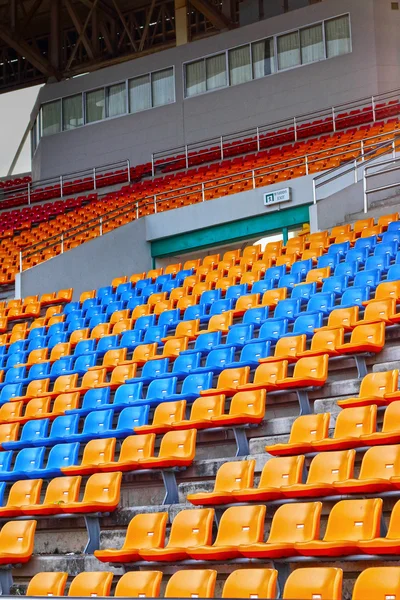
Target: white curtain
<point x="337" y="34"/>
<point x="139" y="93"/>
<point x="72" y="112"/>
<point x="263" y="58"/>
<point x="239" y="65"/>
<point x="162" y="83"/>
<point x="216" y="72"/>
<point x="116" y="100"/>
<point x="195" y="78"/>
<point x="51" y="117"/>
<point x="312" y="44"/>
<point x="288" y="50"/>
<point x="95" y="106"/>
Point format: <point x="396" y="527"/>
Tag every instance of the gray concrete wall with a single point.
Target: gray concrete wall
<point x="282" y="95"/>
<point x="120" y="252"/>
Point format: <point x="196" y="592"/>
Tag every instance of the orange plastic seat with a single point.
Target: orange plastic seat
<point x="266" y="376"/>
<point x="91" y="584"/>
<point x="133" y="448"/>
<point x="387" y="289"/>
<point x="63" y="384"/>
<point x="246" y="303"/>
<point x="111" y="359"/>
<point x="47" y="584"/>
<point x="10" y="411"/>
<point x="177" y="449"/>
<point x="272" y="297"/>
<point x="191" y="584"/>
<point x="251" y="583"/>
<point x="9" y="432"/>
<point x="238" y="526"/>
<point x="189" y="528"/>
<point x="17" y="541"/>
<point x="142" y="353"/>
<point x="365" y="338"/>
<point x="287" y="348"/>
<point x="203" y="410"/>
<point x="351" y="424"/>
<point x="291" y="524"/>
<point x="390" y="433"/>
<point x="59" y="491"/>
<point x="385" y="220"/>
<point x="381" y="583"/>
<point x="21" y="492"/>
<point x="308" y="371"/>
<point x="380" y="310"/>
<point x="139" y="584"/>
<point x="220" y="322"/>
<point x="172" y="348"/>
<point x="325" y="469"/>
<point x="349" y="522"/>
<point x="374" y="388"/>
<point x="231" y="477"/>
<point x="362" y="224"/>
<point x="324" y="341"/>
<point x="305" y="430"/>
<point x="277" y="472"/>
<point x="321" y="583"/>
<point x="165" y="414"/>
<point x="144" y="532"/>
<point x="318" y="275"/>
<point x="229" y="381"/>
<point x="95" y="453"/>
<point x="102" y="494"/>
<point x="35" y="389"/>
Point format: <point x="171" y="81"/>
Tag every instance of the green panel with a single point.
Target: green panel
<point x="226" y="233"/>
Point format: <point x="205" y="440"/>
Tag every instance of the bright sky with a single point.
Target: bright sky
<point x="15" y="109"/>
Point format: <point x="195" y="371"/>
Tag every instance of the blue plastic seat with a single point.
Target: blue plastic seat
<point x="39" y="371"/>
<point x="301" y="267"/>
<point x="380" y="262"/>
<point x="347" y="269"/>
<point x="184" y="364"/>
<point x="393" y="273"/>
<point x="83" y="363"/>
<point x="327" y="260"/>
<point x="304" y="291"/>
<point x="354" y="296"/>
<point x="70" y="307"/>
<point x="161" y="279"/>
<point x="369" y="278"/>
<point x="19" y="346"/>
<point x="37" y="343"/>
<point x="394" y="226"/>
<point x="145" y="321"/>
<point x="18" y="358"/>
<point x="275" y="273"/>
<point x="389" y="249"/>
<point x="123" y="287"/>
<point x="321" y="302"/>
<point x="130" y="339"/>
<point x="336" y="284"/>
<point x="152" y="369"/>
<point x="97" y="320"/>
<point x="130" y="301"/>
<point x="74" y="316"/>
<point x="251" y="353"/>
<point x="2" y="491"/>
<point x="368" y="242"/>
<point x="14" y="375"/>
<point x="339" y="250"/>
<point x="218" y="359"/>
<point x="148" y="291"/>
<point x="55" y="329"/>
<point x="107" y="300"/>
<point x="170" y="285"/>
<point x="169" y="318"/>
<point x="155" y="334"/>
<point x="75" y="325"/>
<point x="104" y="291"/>
<point x="193" y="384"/>
<point x="61" y="455"/>
<point x="31" y="431"/>
<point x="93" y="311"/>
<point x="27" y="460"/>
<point x="289" y="281"/>
<point x="58" y="338"/>
<point x="306" y="324"/>
<point x="262" y="286"/>
<point x="287" y="309"/>
<point x="85" y="347"/>
<point x="358" y="256"/>
<point x="220" y="306"/>
<point x="113" y="307"/>
<point x="181" y="275"/>
<point x="255" y="316"/>
<point x="206" y="342"/>
<point x="272" y="330"/>
<point x="159" y="390"/>
<point x="5" y="463"/>
<point x="98" y="424"/>
<point x="37" y="332"/>
<point x="197" y="311"/>
<point x="127" y="395"/>
<point x="10" y="391"/>
<point x="93" y="399"/>
<point x="62" y="366"/>
<point x="235" y="291"/>
<point x="89" y="302"/>
<point x="391" y="236"/>
<point x="142" y="284"/>
<point x="106" y="343"/>
<point x="129" y="418"/>
<point x="239" y="335"/>
<point x="63" y="428"/>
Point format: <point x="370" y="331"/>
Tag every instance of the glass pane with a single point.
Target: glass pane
<point x="139" y="93"/>
<point x="95" y="106"/>
<point x="51" y="117"/>
<point x="239" y="65"/>
<point x="116" y="100"/>
<point x="288" y="50"/>
<point x="162" y="83"/>
<point x="263" y="58"/>
<point x="312" y="44"/>
<point x="216" y="72"/>
<point x="337" y="34"/>
<point x="195" y="78"/>
<point x="72" y="112"/>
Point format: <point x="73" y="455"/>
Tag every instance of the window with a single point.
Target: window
<point x="116" y="100"/>
<point x="195" y="78"/>
<point x="95" y="106"/>
<point x="312" y="44"/>
<point x="337" y="35"/>
<point x="72" y="112"/>
<point x="289" y="50"/>
<point x="51" y="117"/>
<point x="139" y="93"/>
<point x="263" y="58"/>
<point x="162" y="86"/>
<point x="239" y="65"/>
<point x="216" y="72"/>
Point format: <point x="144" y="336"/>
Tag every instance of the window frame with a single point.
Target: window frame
<point x="62" y="110"/>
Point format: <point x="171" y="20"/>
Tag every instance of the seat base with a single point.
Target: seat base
<point x="267" y="550"/>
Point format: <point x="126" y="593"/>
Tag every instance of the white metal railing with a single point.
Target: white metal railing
<point x="329" y="120"/>
<point x="385" y="167"/>
<point x="149" y="204"/>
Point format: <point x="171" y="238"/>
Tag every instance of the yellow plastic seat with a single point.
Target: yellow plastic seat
<point x="189" y="528"/>
<point x="59" y="491"/>
<point x="349" y="522"/>
<point x="318" y="275"/>
<point x="203" y="410"/>
<point x="91" y="584"/>
<point x="325" y="341"/>
<point x="133" y="449"/>
<point x="10" y="411"/>
<point x="17" y="541"/>
<point x="375" y="388"/>
<point x="220" y="322"/>
<point x="365" y="338"/>
<point x="238" y="526"/>
<point x="111" y="359"/>
<point x="351" y="424"/>
<point x="229" y="381"/>
<point x="165" y="414"/>
<point x="343" y="318"/>
<point x="102" y="494"/>
<point x="380" y="583"/>
<point x="191" y="584"/>
<point x="266" y="376"/>
<point x="305" y="430"/>
<point x="231" y="477"/>
<point x="272" y="297"/>
<point x="390" y="544"/>
<point x="144" y="531"/>
<point x="21" y="492"/>
<point x="251" y="583"/>
<point x="187" y="329"/>
<point x="139" y="584"/>
<point x="95" y="453"/>
<point x="47" y="584"/>
<point x="292" y="523"/>
<point x="9" y="432"/>
<point x="314" y="583"/>
<point x="287" y="348"/>
<point x="390" y="433"/>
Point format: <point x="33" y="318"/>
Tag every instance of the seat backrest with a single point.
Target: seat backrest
<point x="290" y="346"/>
<point x="251" y="583"/>
<point x="391" y="419"/>
<point x="382" y="462"/>
<point x="146" y="531"/>
<point x="98" y="421"/>
<point x="356" y="421"/>
<point x="206" y="407"/>
<point x="343" y="317"/>
<point x="29" y="459"/>
<point x="379" y="384"/>
<point x="322" y="583"/>
<point x="139" y="584"/>
<point x="47" y="584"/>
<point x="380" y="583"/>
<point x="191" y="528"/>
<point x="18" y="537"/>
<point x="232" y="378"/>
<point x="312" y="368"/>
<point x="24" y="492"/>
<point x="236" y="475"/>
<point x="294" y="523"/>
<point x="282" y="471"/>
<point x="64" y="426"/>
<point x="36" y="407"/>
<point x="167" y="413"/>
<point x="271" y="372"/>
<point x="33" y="430"/>
<point x="250" y="403"/>
<point x="241" y="525"/>
<point x="354" y="520"/>
<point x="98" y="451"/>
<point x="62" y="489"/>
<point x="63" y="455"/>
<point x="197" y="583"/>
<point x="103" y="487"/>
<point x="136" y="447"/>
<point x="310" y="428"/>
<point x="328" y="339"/>
<point x="9" y="432"/>
<point x="11" y="410"/>
<point x="327" y="467"/>
<point x="180" y="444"/>
<point x="91" y="584"/>
<point x="373" y="333"/>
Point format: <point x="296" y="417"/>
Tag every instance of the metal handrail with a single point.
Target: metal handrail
<point x="203" y="187"/>
<point x="388" y="186"/>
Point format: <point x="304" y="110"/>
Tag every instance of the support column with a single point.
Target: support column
<point x="55" y="34"/>
<point x="285" y="234"/>
<point x="181" y="27"/>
